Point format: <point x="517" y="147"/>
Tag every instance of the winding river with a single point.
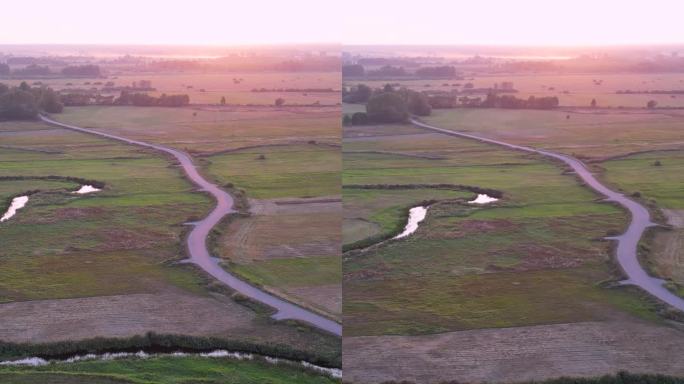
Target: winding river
<point x="627" y="242"/>
<point x="196" y="240"/>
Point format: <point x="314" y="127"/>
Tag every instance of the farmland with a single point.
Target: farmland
<point x="573" y="89"/>
<point x="208" y="88"/>
<point x="283" y="158"/>
<point x="107" y="260"/>
<point x="533" y="259"/>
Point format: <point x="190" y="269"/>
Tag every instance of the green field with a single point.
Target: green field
<point x="163" y="370"/>
<point x="269" y="154"/>
<point x="64" y="245"/>
<point x="280" y="171"/>
<point x="661" y="187"/>
<point x="534" y="257"/>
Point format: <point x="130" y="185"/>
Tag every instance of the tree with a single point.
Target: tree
<point x="279" y="102"/>
<point x="346" y="120"/>
<point x="593" y="103"/>
<point x="4" y="69"/>
<point x="49" y="101"/>
<point x="416" y="102"/>
<point x="651" y="104"/>
<point x="387" y="107"/>
<point x="388" y="88"/>
<point x="18" y="104"/>
<point x="359" y="94"/>
<point x="223" y="100"/>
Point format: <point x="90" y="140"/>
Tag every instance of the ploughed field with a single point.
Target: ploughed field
<point x="284" y="164"/>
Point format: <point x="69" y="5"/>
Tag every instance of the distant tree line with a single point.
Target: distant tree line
<point x="387" y="105"/>
<point x="509" y="101"/>
<point x="441" y="71"/>
<point x="24" y="102"/>
<point x="353" y="70"/>
<point x="311" y="90"/>
<point x="33" y="70"/>
<point x="145" y="100"/>
<point x="89" y="70"/>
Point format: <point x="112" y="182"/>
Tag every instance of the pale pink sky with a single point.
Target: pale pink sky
<point x="177" y="22"/>
<point x="226" y="22"/>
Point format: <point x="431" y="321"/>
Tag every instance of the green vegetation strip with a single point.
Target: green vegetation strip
<point x="164" y="370"/>
<point x="153" y="342"/>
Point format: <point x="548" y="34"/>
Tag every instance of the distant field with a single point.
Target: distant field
<point x="580" y="87"/>
<point x="163" y="370"/>
<point x="211" y="130"/>
<point x="533" y="258"/>
<point x="584" y="134"/>
<point x="220" y="85"/>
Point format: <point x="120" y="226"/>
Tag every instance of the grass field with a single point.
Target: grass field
<point x="163" y="370"/>
<point x="535" y="257"/>
<point x="270" y="154"/>
<point x="662" y="186"/>
<point x="304" y="170"/>
<point x="217" y="85"/>
<point x="584" y="134"/>
<point x="109" y="257"/>
<point x="64" y="245"/>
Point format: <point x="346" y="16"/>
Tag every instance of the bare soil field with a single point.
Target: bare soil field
<point x="504" y="355"/>
<point x="170" y="312"/>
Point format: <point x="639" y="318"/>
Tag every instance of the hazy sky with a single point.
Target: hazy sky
<point x="216" y="22"/>
<point x="178" y="22"/>
<point x="514" y="22"/>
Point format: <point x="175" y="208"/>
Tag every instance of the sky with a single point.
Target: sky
<point x="515" y="22"/>
<point x="392" y="22"/>
<point x="169" y="22"/>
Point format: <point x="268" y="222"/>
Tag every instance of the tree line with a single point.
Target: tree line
<point x="145" y="100"/>
<point x="24" y="103"/>
<point x="386" y="105"/>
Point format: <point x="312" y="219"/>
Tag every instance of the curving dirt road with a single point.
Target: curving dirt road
<point x="197" y="238"/>
<point x="627" y="242"/>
